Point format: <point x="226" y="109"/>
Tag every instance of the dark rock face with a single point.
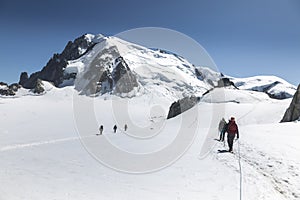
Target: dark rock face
<point x="279" y="96"/>
<point x="9" y="90"/>
<point x="203" y="77"/>
<point x="123" y="78"/>
<point x="199" y="74"/>
<point x="6" y="92"/>
<point x="14" y="87"/>
<point x="54" y="70"/>
<point x="293" y="112"/>
<point x="225" y="82"/>
<point x="23" y="78"/>
<point x="3" y="84"/>
<point x="31" y="81"/>
<point x="108" y="73"/>
<point x="266" y="89"/>
<point x="182" y="105"/>
<point x="38" y="89"/>
<point x="98" y="79"/>
<point x="72" y="52"/>
<point x="105" y="83"/>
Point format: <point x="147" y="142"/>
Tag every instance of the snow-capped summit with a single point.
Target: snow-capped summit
<point x="93" y="38"/>
<point x="139" y="69"/>
<point x="100" y="65"/>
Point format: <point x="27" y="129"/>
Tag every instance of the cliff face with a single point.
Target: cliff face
<point x="54" y="70"/>
<point x="293" y="112"/>
<point x="124" y="79"/>
<point x="182" y="105"/>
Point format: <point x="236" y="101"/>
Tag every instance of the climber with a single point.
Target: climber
<point x="101" y="129"/>
<point x="115" y="128"/>
<point x="222" y="129"/>
<point x="232" y="130"/>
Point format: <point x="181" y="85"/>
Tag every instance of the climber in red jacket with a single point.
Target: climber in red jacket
<point x="232" y="130"/>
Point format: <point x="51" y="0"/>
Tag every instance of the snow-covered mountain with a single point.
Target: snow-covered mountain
<point x="119" y="67"/>
<point x="99" y="65"/>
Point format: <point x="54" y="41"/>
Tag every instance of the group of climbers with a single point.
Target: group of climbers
<point x="114" y="129"/>
<point x="232" y="130"/>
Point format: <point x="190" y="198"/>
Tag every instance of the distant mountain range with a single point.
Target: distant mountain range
<point x="97" y="65"/>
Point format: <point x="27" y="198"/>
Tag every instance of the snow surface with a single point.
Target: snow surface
<point x="168" y="74"/>
<point x="42" y="156"/>
<point x="94" y="38"/>
<point x="271" y="84"/>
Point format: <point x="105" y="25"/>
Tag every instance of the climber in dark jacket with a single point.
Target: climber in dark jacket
<point x="101" y="129"/>
<point x="232" y="130"/>
<point x="222" y="129"/>
<point x="115" y="128"/>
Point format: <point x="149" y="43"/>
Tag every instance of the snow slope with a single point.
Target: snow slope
<point x="271" y="85"/>
<point x="48" y="142"/>
<point x="157" y="72"/>
<point x="43" y="157"/>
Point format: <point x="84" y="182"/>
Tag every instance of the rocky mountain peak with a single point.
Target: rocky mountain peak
<point x="108" y="72"/>
<point x="97" y="65"/>
<point x="54" y="69"/>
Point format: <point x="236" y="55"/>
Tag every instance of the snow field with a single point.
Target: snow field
<point x="42" y="156"/>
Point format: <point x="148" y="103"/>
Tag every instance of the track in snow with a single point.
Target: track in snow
<point x="282" y="175"/>
<point x="34" y="144"/>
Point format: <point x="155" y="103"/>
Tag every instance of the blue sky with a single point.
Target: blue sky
<point x="244" y="38"/>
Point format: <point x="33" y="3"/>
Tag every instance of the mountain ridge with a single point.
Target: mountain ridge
<point x="128" y="69"/>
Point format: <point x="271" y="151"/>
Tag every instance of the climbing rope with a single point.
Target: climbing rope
<point x="240" y="169"/>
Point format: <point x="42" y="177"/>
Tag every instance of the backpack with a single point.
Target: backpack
<point x="232" y="128"/>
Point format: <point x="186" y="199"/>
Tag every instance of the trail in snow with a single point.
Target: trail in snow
<point x="40" y="143"/>
<point x="283" y="174"/>
<point x="280" y="173"/>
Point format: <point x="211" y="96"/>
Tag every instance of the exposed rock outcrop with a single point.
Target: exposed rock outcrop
<point x="274" y="87"/>
<point x="108" y="73"/>
<point x="123" y="78"/>
<point x="54" y="69"/>
<point x="225" y="82"/>
<point x="9" y="90"/>
<point x="6" y="92"/>
<point x="14" y="87"/>
<point x="23" y="78"/>
<point x="105" y="83"/>
<point x="281" y="95"/>
<point x="268" y="90"/>
<point x="182" y="105"/>
<point x="39" y="87"/>
<point x="98" y="79"/>
<point x="293" y="112"/>
<point x="2" y="84"/>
